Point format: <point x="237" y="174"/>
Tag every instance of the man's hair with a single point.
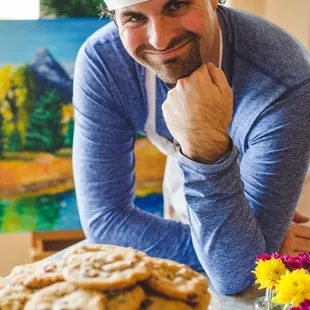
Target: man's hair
<point x="104" y="12"/>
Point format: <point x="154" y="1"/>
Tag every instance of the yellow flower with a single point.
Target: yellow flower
<point x="294" y="288"/>
<point x="269" y="272"/>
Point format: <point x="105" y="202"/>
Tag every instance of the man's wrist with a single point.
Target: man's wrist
<point x="208" y="156"/>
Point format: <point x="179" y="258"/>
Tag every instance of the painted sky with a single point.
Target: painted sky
<point x="19" y="40"/>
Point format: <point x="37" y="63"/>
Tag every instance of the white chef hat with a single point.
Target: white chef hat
<point x="118" y="4"/>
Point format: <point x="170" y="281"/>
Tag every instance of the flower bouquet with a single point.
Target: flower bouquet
<point x="286" y="280"/>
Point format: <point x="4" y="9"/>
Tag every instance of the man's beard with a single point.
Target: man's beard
<point x="172" y="69"/>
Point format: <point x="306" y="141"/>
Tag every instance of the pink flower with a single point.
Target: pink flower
<point x="305" y="260"/>
<point x="301" y="261"/>
<point x="303" y="306"/>
<point x="267" y="256"/>
<point x="263" y="257"/>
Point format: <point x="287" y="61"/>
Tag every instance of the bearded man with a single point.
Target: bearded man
<point x="226" y="95"/>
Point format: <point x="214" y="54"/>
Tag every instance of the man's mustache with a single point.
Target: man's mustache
<point x="172" y="44"/>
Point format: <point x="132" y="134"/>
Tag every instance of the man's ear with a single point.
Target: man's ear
<point x="215" y="4"/>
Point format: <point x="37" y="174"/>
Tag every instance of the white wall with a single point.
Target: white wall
<point x="14" y="250"/>
<point x="19" y="9"/>
<point x="291" y="15"/>
<point x="254" y="6"/>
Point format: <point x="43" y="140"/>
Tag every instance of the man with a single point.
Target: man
<point x="241" y="133"/>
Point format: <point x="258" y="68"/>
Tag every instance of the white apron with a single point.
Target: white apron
<point x="172" y="185"/>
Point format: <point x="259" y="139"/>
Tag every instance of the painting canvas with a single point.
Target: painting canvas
<point x="37" y="123"/>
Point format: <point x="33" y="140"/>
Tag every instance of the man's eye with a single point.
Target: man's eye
<point x="135" y="19"/>
<point x="176" y="5"/>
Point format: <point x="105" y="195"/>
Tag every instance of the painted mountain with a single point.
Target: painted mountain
<point x="48" y="73"/>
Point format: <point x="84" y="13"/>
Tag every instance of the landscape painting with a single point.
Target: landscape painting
<point x="37" y="124"/>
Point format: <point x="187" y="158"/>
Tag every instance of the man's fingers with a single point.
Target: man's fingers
<point x="297" y="240"/>
<point x="299" y="218"/>
<point x="218" y="77"/>
<point x="302" y="245"/>
<point x="301" y="231"/>
<point x="201" y="74"/>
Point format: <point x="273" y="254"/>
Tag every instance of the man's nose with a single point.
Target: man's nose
<point x="160" y="33"/>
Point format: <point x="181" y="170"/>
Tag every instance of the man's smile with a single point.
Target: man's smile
<point x="168" y="54"/>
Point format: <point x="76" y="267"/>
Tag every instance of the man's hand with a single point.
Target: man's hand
<point x="298" y="237"/>
<point x="198" y="112"/>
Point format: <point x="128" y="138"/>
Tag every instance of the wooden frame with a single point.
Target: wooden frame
<point x="47" y="243"/>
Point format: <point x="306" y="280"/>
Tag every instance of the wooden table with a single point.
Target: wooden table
<point x="242" y="301"/>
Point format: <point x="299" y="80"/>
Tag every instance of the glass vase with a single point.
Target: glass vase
<point x="265" y="303"/>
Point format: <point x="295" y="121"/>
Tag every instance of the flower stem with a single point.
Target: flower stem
<point x="268" y="298"/>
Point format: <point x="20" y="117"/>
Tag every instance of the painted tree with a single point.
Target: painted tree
<point x="68" y="142"/>
<point x="29" y="83"/>
<point x="75" y="8"/>
<point x="44" y="132"/>
<point x="17" y="91"/>
<point x="3" y="206"/>
<point x="1" y="136"/>
<point x="15" y="142"/>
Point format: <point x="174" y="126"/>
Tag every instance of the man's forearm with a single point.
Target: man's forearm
<point x="131" y="227"/>
<point x="225" y="231"/>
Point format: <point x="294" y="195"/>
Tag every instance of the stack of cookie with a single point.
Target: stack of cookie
<point x="105" y="277"/>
